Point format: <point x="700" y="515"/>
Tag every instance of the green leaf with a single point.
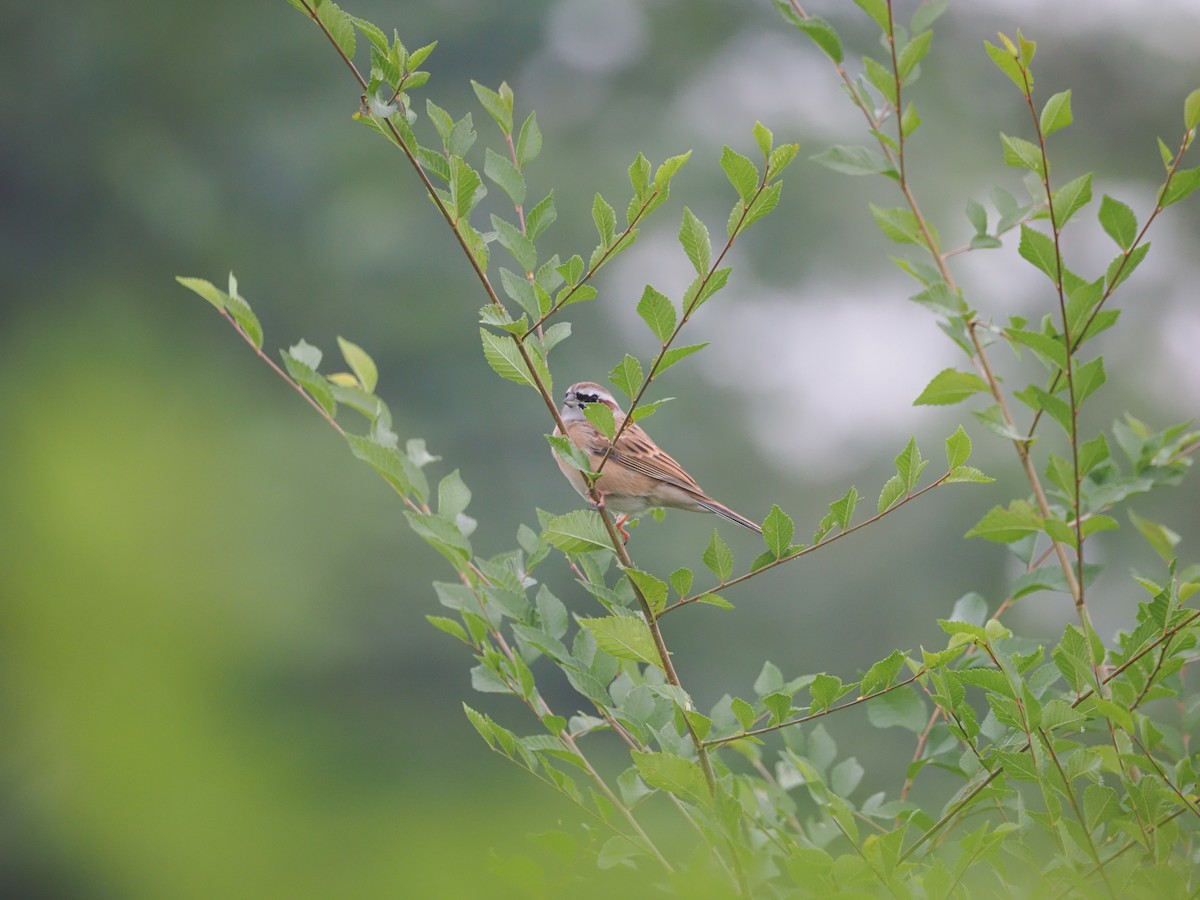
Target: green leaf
<point x="843" y="508"/>
<point x="881" y="78"/>
<point x="464" y="188"/>
<point x="602" y="417"/>
<point x="517" y="244"/>
<point x="970" y="474"/>
<point x="605" y="219"/>
<point x="205" y="289"/>
<point x="498" y="104"/>
<point x="396" y="469"/>
<point x="505" y="174"/>
<point x="912" y="54"/>
<point x="675" y="354"/>
<point x="1191" y="110"/>
<point x="681" y="580"/>
<point x="449" y="626"/>
<point x="505" y="359"/>
<point x="578" y="531"/>
<point x="625" y="637"/>
<point x="1039" y="249"/>
<point x="1160" y="537"/>
<point x="764" y="138"/>
<point x="899" y="224"/>
<point x="1118" y="221"/>
<point x="653" y="589"/>
<point x="315" y="384"/>
<point x="529" y="144"/>
<point x="764" y="203"/>
<point x="1048" y="347"/>
<point x="1124" y="265"/>
<point x="910" y="465"/>
<point x="818" y="30"/>
<point x="877" y="11"/>
<point x="744" y="713"/>
<point x="899" y="708"/>
<point x="950" y="386"/>
<point x="779" y="705"/>
<point x="1088" y="377"/>
<point x="339" y="25"/>
<point x="540" y="217"/>
<point x="1071" y="197"/>
<point x="1056" y="113"/>
<point x="627" y="375"/>
<point x="718" y="558"/>
<point x="671" y="773"/>
<point x="854" y="160"/>
<point x="893" y="490"/>
<point x="453" y="495"/>
<point x="882" y="673"/>
<point x="658" y="312"/>
<point x="741" y="173"/>
<point x="246" y="320"/>
<point x="1007" y="63"/>
<point x="825" y="691"/>
<point x="958" y="448"/>
<point x="1100" y="805"/>
<point x="1007" y="525"/>
<point x="1022" y="154"/>
<point x="694" y="238"/>
<point x="777" y="531"/>
<point x="360" y="364"/>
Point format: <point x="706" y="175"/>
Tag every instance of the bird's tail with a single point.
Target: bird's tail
<point x="726" y="512"/>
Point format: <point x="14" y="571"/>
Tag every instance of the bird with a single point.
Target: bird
<point x="637" y="475"/>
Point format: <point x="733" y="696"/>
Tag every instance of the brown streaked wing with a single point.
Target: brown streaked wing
<point x="636" y="451"/>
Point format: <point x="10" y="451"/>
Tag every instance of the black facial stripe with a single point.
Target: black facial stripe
<point x="587" y="398"/>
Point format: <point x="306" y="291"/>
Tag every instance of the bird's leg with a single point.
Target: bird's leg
<point x="619" y="521"/>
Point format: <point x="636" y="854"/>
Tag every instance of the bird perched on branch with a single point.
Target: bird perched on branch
<point x="637" y="475"/>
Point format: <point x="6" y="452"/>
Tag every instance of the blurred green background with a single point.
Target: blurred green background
<point x="217" y="679"/>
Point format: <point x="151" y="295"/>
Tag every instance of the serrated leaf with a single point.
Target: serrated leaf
<point x="843" y="508"/>
<point x="744" y="713"/>
<point x="654" y="589"/>
<point x="960" y="474"/>
<point x="671" y="773"/>
<point x="718" y="558"/>
<point x="1022" y="154"/>
<point x="1072" y="197"/>
<point x="958" y="448"/>
<point x="910" y="464"/>
<point x="741" y="172"/>
<point x="819" y="31"/>
<point x="517" y="244"/>
<point x="394" y="467"/>
<point x="540" y="217"/>
<point x="505" y="359"/>
<point x="1007" y="63"/>
<point x="1124" y="265"/>
<point x="899" y="224"/>
<point x="764" y="203"/>
<point x="1159" y="536"/>
<point x="499" y="104"/>
<point x="1056" y="113"/>
<point x="681" y="580"/>
<point x="314" y="383"/>
<point x="627" y="375"/>
<point x="1048" y="347"/>
<point x="900" y="708"/>
<point x="853" y="160"/>
<point x="1039" y="249"/>
<point x="950" y="386"/>
<point x="449" y="626"/>
<point x="578" y="531"/>
<point x="777" y="531"/>
<point x="360" y="364"/>
<point x="1118" y="221"/>
<point x="205" y="289"/>
<point x="453" y="495"/>
<point x="912" y="54"/>
<point x="658" y="312"/>
<point x="339" y="25"/>
<point x="529" y="144"/>
<point x="624" y="637"/>
<point x="893" y="490"/>
<point x="464" y="188"/>
<point x="504" y="173"/>
<point x="882" y="673"/>
<point x="693" y="236"/>
<point x="605" y="219"/>
<point x="602" y="417"/>
<point x="245" y="318"/>
<point x="675" y="354"/>
<point x="1007" y="525"/>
